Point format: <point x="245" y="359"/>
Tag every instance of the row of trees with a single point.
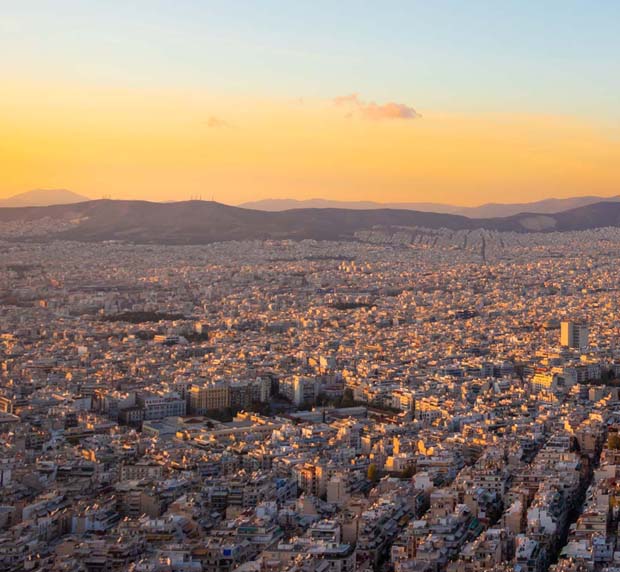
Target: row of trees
<point x="373" y="474"/>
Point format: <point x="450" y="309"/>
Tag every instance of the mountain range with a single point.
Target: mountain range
<point x="202" y="222"/>
<point x="47" y="197"/>
<point x="43" y="198"/>
<point x="487" y="210"/>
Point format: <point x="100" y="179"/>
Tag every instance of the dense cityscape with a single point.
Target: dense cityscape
<point x="309" y="286"/>
<point x="428" y="402"/>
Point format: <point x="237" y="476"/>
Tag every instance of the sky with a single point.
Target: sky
<point x="461" y="102"/>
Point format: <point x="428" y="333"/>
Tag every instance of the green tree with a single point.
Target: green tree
<point x="613" y="441"/>
<point x="408" y="472"/>
<point x="373" y="474"/>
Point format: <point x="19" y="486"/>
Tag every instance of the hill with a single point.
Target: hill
<point x="42" y="198"/>
<point x="488" y="210"/>
<point x="201" y="222"/>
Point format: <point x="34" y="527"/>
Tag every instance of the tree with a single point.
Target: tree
<point x="347" y="397"/>
<point x="373" y="474"/>
<point x="613" y="441"/>
<point x="408" y="472"/>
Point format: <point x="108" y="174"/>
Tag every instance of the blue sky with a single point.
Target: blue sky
<point x="544" y="57"/>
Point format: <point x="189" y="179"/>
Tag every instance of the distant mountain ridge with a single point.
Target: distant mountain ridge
<point x="487" y="210"/>
<point x="49" y="197"/>
<point x="43" y="198"/>
<point x="203" y="222"/>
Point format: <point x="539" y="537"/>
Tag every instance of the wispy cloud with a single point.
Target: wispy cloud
<point x="372" y="110"/>
<point x="352" y="99"/>
<point x="215" y="122"/>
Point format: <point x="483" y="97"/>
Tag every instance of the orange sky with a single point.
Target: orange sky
<point x="167" y="145"/>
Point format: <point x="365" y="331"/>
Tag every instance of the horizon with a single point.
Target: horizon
<point x="250" y="203"/>
<point x="411" y="103"/>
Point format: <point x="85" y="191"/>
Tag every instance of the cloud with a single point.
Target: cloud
<point x="389" y="110"/>
<point x="372" y="110"/>
<point x="215" y="122"/>
<point x="352" y="99"/>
